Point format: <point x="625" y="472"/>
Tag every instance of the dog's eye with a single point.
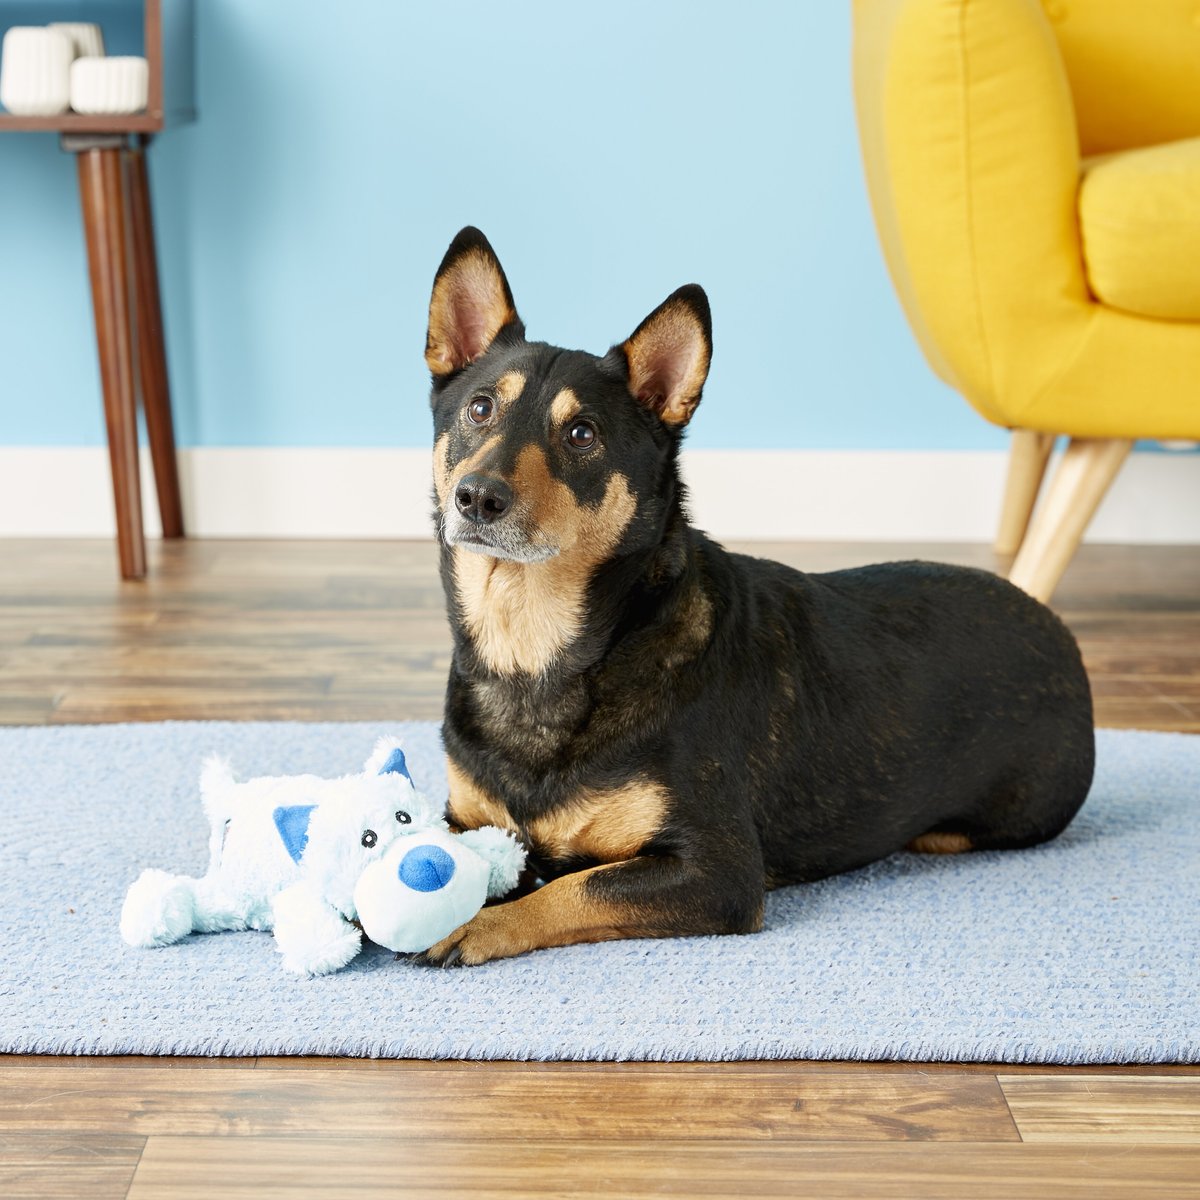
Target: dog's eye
<point x="403" y="818"/>
<point x="369" y="838"/>
<point x="582" y="435"/>
<point x="480" y="410"/>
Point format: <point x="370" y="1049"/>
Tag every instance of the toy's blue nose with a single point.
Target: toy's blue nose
<point x="426" y="868"/>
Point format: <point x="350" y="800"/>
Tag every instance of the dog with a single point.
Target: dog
<point x="674" y="729"/>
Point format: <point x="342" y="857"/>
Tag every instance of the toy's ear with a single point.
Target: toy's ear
<point x="395" y="765"/>
<point x="503" y="854"/>
<point x="387" y="759"/>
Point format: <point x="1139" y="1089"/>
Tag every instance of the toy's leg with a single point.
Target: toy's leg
<point x="218" y="909"/>
<point x="312" y="938"/>
<point x="159" y="909"/>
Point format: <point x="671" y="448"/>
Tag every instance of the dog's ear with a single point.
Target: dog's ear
<point x="668" y="355"/>
<point x="471" y="304"/>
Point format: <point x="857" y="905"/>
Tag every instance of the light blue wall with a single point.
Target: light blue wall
<point x="610" y="151"/>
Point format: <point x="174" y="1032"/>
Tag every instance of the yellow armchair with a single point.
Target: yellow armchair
<point x="1034" y="171"/>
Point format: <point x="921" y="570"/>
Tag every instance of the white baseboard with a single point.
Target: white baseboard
<point x="830" y="495"/>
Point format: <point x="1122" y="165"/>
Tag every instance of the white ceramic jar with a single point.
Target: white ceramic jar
<point x="87" y="40"/>
<point x="109" y="85"/>
<point x="35" y="71"/>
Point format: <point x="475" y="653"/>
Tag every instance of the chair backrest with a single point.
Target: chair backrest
<point x="1134" y="69"/>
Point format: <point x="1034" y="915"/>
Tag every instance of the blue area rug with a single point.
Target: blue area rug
<point x="1084" y="950"/>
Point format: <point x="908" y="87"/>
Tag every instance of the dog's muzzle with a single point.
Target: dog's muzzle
<point x="485" y="518"/>
<point x="482" y="499"/>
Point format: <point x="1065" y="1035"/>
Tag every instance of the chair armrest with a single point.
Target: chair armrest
<point x="972" y="161"/>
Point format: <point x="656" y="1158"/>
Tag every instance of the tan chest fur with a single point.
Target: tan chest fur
<point x="605" y="824"/>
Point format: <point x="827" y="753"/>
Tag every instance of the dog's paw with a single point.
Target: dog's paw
<point x="491" y="933"/>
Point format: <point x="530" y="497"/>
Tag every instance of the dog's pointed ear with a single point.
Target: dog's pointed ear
<point x="668" y="355"/>
<point x="471" y="304"/>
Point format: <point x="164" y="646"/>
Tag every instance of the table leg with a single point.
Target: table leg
<point x="101" y="194"/>
<point x="152" y="356"/>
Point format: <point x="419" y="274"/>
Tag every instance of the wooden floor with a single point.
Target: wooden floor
<point x="356" y="630"/>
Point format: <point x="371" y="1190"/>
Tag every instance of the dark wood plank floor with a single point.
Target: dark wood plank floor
<point x="329" y="631"/>
<point x="356" y="630"/>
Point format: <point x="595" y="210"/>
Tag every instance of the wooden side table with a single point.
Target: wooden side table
<point x="114" y="194"/>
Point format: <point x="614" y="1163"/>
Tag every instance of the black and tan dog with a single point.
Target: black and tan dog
<point x="674" y="729"/>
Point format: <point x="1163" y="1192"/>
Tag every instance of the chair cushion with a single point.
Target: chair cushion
<point x="1139" y="211"/>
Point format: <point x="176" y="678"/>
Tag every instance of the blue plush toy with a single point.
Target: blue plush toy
<point x="297" y="853"/>
<point x="427" y="885"/>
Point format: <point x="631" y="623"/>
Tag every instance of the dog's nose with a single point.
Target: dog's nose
<point x="482" y="498"/>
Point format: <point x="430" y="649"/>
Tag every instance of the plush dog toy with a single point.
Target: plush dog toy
<point x="287" y="852"/>
<point x="427" y="885"/>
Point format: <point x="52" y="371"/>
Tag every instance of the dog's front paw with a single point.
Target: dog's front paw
<point x="491" y="933"/>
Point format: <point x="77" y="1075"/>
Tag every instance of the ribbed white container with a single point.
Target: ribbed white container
<point x="87" y="39"/>
<point x="35" y="71"/>
<point x="109" y="85"/>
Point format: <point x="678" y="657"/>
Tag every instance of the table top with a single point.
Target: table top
<point x="70" y="122"/>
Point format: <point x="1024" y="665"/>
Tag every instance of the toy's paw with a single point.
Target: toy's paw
<point x="322" y="956"/>
<point x="159" y="909"/>
<point x="313" y="939"/>
<point x="491" y="933"/>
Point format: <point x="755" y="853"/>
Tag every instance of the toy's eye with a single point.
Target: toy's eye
<point x="369" y="838"/>
<point x="403" y="818"/>
<point x="582" y="435"/>
<point x="480" y="410"/>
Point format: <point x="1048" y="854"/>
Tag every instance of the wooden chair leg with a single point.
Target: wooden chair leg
<point x="1084" y="475"/>
<point x="152" y="356"/>
<point x="102" y="198"/>
<point x="1026" y="466"/>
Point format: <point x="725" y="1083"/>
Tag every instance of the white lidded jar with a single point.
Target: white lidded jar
<point x="35" y="71"/>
